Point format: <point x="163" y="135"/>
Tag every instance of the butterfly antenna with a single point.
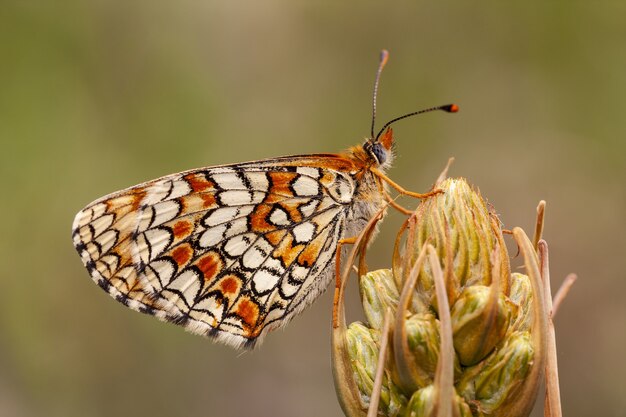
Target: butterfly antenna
<point x="450" y="108"/>
<point x="384" y="56"/>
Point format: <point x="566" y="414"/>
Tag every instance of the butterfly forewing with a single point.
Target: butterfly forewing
<point x="230" y="251"/>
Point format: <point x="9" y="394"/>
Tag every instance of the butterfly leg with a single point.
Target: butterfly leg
<point x="344" y="241"/>
<point x="401" y="190"/>
<point x="392" y="203"/>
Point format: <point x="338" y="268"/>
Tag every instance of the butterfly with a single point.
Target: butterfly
<point x="234" y="251"/>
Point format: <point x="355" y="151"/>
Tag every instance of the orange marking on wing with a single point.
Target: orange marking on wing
<point x="124" y="253"/>
<point x="309" y="255"/>
<point x="126" y="284"/>
<point x="328" y="178"/>
<point x="279" y="186"/>
<point x="291" y="207"/>
<point x="275" y="237"/>
<point x="182" y="229"/>
<point x="258" y="219"/>
<point x="208" y="200"/>
<point x="248" y="311"/>
<point x="138" y="196"/>
<point x="126" y="202"/>
<point x="210" y="264"/>
<point x="230" y="285"/>
<point x="182" y="254"/>
<point x="338" y="162"/>
<point x="197" y="202"/>
<point x="198" y="182"/>
<point x="286" y="252"/>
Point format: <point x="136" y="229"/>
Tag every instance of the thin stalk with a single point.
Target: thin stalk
<point x="552" y="405"/>
<point x="380" y="366"/>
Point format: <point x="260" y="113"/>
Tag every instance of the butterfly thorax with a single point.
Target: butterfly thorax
<point x="368" y="197"/>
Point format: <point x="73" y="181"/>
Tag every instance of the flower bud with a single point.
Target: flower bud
<point x="423" y="404"/>
<point x="495" y="381"/>
<point x="422" y="332"/>
<point x="378" y="292"/>
<point x="362" y="344"/>
<point x="522" y="296"/>
<point x="480" y="320"/>
<point x="465" y="234"/>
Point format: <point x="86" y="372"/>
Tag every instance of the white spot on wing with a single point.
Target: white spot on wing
<point x="106" y="240"/>
<point x="158" y="239"/>
<point x="258" y="181"/>
<point x="212" y="236"/>
<point x="279" y="217"/>
<point x="304" y="232"/>
<point x="309" y="171"/>
<point x="240" y="197"/>
<point x="229" y="181"/>
<point x="97" y="210"/>
<point x="237" y="245"/>
<point x="306" y="186"/>
<point x="157" y="192"/>
<point x="188" y="283"/>
<point x="325" y="217"/>
<point x="212" y="305"/>
<point x="341" y="190"/>
<point x="308" y="209"/>
<point x="288" y="289"/>
<point x="264" y="280"/>
<point x="164" y="212"/>
<point x="180" y="188"/>
<point x="162" y="270"/>
<point x="237" y="227"/>
<point x="221" y="215"/>
<point x="255" y="256"/>
<point x="140" y="249"/>
<point x="102" y="223"/>
<point x="298" y="272"/>
<point x="85" y="234"/>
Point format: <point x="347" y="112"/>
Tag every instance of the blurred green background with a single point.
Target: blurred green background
<point x="96" y="96"/>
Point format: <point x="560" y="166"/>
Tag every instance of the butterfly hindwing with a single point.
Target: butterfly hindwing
<point x="230" y="252"/>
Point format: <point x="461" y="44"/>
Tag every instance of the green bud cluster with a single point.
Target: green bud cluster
<point x="495" y="356"/>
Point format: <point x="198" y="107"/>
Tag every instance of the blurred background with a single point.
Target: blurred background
<point x="96" y="96"/>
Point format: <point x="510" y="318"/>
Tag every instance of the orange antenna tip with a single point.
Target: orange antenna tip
<point x="451" y="108"/>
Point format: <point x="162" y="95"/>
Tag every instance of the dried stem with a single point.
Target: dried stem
<point x="380" y="366"/>
<point x="407" y="374"/>
<point x="562" y="293"/>
<point x="541" y="212"/>
<point x="527" y="394"/>
<point x="552" y="406"/>
<point x="444" y="376"/>
<point x="444" y="174"/>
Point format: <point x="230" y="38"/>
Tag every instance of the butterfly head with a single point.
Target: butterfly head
<point x="381" y="149"/>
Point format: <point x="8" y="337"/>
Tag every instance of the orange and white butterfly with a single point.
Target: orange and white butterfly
<point x="234" y="251"/>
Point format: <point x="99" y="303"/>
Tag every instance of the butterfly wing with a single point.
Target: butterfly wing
<point x="229" y="252"/>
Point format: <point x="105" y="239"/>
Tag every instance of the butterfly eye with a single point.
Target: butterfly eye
<point x="379" y="153"/>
